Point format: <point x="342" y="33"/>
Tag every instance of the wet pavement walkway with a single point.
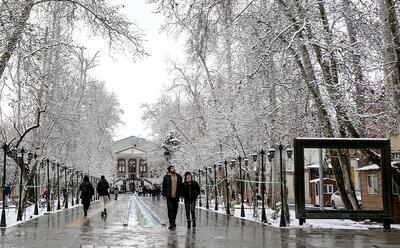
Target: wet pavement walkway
<point x="71" y="229"/>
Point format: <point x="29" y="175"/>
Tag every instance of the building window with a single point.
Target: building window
<point x="372" y="184"/>
<point x="142" y="167"/>
<point x="328" y="189"/>
<point x="132" y="165"/>
<point x="395" y="155"/>
<point x="121" y="165"/>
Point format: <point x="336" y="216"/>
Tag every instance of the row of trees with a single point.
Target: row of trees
<point x="263" y="72"/>
<point x="49" y="103"/>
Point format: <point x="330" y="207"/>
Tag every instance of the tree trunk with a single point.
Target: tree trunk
<point x="355" y="59"/>
<point x="391" y="37"/>
<point x="12" y="41"/>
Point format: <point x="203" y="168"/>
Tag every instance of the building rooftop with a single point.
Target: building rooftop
<point x="134" y="142"/>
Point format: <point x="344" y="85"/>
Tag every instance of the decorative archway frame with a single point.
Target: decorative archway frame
<point x="386" y="215"/>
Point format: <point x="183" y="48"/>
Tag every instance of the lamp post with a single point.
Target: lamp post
<point x="228" y="204"/>
<point x="53" y="168"/>
<point x="215" y="187"/>
<point x="263" y="215"/>
<point x="255" y="200"/>
<point x="77" y="187"/>
<point x="94" y="196"/>
<point x="241" y="188"/>
<point x="3" y="222"/>
<point x="48" y="185"/>
<point x="283" y="182"/>
<point x="71" y="172"/>
<point x="36" y="211"/>
<point x="200" y="171"/>
<point x="58" y="187"/>
<point x="21" y="166"/>
<point x="66" y="189"/>
<point x="207" y="206"/>
<point x="232" y="165"/>
<point x="95" y="188"/>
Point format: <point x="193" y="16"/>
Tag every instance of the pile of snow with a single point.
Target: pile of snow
<point x="273" y="219"/>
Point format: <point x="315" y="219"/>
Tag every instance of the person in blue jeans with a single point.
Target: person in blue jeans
<point x="7" y="193"/>
<point x="190" y="192"/>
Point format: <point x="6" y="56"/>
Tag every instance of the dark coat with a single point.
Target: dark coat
<point x="102" y="187"/>
<point x="190" y="191"/>
<point x="166" y="186"/>
<point x="87" y="190"/>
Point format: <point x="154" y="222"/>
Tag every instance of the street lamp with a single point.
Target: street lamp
<point x="71" y="171"/>
<point x="207" y="206"/>
<point x="21" y="166"/>
<point x="48" y="185"/>
<point x="65" y="188"/>
<point x="36" y="211"/>
<point x="255" y="200"/>
<point x="263" y="215"/>
<point x="241" y="188"/>
<point x="215" y="187"/>
<point x="58" y="187"/>
<point x="3" y="212"/>
<point x="228" y="209"/>
<point x="200" y="171"/>
<point x="283" y="182"/>
<point x="77" y="186"/>
<point x="232" y="165"/>
<point x="95" y="188"/>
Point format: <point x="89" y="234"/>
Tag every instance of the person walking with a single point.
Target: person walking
<point x="190" y="192"/>
<point x="171" y="189"/>
<point x="7" y="193"/>
<point x="87" y="191"/>
<point x="116" y="191"/>
<point x="102" y="190"/>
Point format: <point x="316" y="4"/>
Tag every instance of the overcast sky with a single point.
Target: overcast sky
<point x="140" y="82"/>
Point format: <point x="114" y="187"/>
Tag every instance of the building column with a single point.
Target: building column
<point x="137" y="167"/>
<point x="126" y="168"/>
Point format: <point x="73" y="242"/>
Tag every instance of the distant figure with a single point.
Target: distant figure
<point x="102" y="190"/>
<point x="157" y="192"/>
<point x="7" y="193"/>
<point x="45" y="194"/>
<point x="190" y="192"/>
<point x="116" y="191"/>
<point x="171" y="189"/>
<point x="87" y="191"/>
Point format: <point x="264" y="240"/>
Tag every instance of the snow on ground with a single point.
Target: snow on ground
<point x="273" y="219"/>
<point x="12" y="212"/>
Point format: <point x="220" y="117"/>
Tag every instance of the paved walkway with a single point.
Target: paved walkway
<point x="71" y="229"/>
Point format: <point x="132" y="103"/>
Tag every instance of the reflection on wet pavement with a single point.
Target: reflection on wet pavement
<point x="71" y="229"/>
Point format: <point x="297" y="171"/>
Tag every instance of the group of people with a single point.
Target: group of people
<point x="87" y="191"/>
<point x="173" y="188"/>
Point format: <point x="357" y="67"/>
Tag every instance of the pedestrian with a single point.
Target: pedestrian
<point x="158" y="192"/>
<point x="102" y="190"/>
<point x="190" y="192"/>
<point x="171" y="189"/>
<point x="116" y="191"/>
<point x="7" y="193"/>
<point x="87" y="191"/>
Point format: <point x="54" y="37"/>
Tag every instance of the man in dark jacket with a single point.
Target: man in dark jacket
<point x="190" y="192"/>
<point x="102" y="190"/>
<point x="87" y="191"/>
<point x="171" y="190"/>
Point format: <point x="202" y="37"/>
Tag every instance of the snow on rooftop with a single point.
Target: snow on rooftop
<point x="312" y="166"/>
<point x="317" y="180"/>
<point x="369" y="167"/>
